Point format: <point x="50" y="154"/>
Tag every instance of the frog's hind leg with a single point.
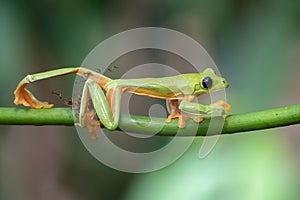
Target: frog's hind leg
<point x="25" y="97"/>
<point x="108" y="116"/>
<point x="86" y="114"/>
<point x="100" y="79"/>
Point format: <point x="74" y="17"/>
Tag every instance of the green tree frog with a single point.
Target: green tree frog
<point x="105" y="95"/>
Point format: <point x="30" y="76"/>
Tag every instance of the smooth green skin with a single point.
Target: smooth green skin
<point x="169" y="88"/>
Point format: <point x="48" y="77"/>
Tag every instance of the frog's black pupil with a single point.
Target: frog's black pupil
<point x="207" y="82"/>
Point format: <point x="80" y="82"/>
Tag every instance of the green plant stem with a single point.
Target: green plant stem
<point x="278" y="117"/>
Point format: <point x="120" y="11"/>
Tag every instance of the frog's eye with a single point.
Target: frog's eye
<point x="207" y="82"/>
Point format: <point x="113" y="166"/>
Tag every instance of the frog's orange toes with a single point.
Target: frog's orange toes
<point x="195" y="118"/>
<point x="223" y="104"/>
<point x="24" y="97"/>
<point x="181" y="119"/>
<point x="228" y="106"/>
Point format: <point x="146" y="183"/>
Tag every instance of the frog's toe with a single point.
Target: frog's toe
<point x="195" y="118"/>
<point x="26" y="98"/>
<point x="181" y="119"/>
<point x="222" y="103"/>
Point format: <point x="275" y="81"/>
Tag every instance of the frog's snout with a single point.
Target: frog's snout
<point x="225" y="83"/>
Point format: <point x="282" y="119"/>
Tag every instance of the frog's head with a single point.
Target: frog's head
<point x="210" y="82"/>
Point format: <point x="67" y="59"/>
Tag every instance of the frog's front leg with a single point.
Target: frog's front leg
<point x="218" y="108"/>
<point x="107" y="107"/>
<point x="188" y="109"/>
<point x="174" y="112"/>
<point x="173" y="109"/>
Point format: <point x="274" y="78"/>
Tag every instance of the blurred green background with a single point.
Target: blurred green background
<point x="256" y="45"/>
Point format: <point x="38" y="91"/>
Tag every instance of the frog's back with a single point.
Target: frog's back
<point x="165" y="87"/>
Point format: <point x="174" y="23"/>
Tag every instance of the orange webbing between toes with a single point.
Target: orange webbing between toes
<point x="24" y="97"/>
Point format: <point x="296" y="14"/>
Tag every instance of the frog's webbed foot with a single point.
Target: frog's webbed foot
<point x="195" y="118"/>
<point x="23" y="96"/>
<point x="181" y="119"/>
<point x="223" y="104"/>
